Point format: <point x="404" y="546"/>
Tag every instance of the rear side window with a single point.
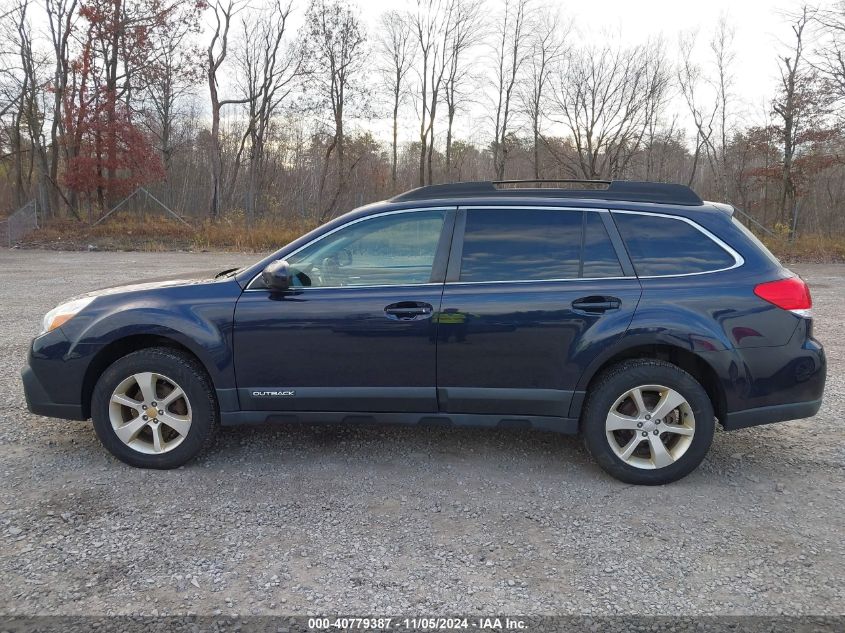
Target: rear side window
<point x="535" y="244"/>
<point x="668" y="246"/>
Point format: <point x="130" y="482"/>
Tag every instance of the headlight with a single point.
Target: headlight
<point x="60" y="315"/>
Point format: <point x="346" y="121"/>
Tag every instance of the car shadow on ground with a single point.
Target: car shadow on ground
<point x="746" y="455"/>
<point x="415" y="449"/>
<point x="368" y="442"/>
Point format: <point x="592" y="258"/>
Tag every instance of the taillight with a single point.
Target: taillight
<point x="789" y="294"/>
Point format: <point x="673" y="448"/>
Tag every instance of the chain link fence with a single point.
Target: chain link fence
<point x="21" y="222"/>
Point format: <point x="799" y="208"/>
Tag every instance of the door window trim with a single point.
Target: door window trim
<point x="443" y="243"/>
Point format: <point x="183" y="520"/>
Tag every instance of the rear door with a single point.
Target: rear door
<point x="532" y="295"/>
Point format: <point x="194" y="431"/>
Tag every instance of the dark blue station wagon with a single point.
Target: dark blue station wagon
<point x="632" y="313"/>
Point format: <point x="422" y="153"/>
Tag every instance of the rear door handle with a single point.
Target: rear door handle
<point x="596" y="305"/>
<point x="408" y="311"/>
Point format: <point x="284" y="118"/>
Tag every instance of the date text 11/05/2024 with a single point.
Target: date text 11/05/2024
<point x="418" y="623"/>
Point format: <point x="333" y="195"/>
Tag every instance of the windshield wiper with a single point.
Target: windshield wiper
<point x="226" y="273"/>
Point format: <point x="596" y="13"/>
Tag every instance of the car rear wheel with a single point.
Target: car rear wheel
<point x="155" y="408"/>
<point x="648" y="422"/>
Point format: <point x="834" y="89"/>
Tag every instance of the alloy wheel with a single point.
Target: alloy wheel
<point x="650" y="426"/>
<point x="150" y="413"/>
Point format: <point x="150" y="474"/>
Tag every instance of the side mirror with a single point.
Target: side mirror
<point x="277" y="275"/>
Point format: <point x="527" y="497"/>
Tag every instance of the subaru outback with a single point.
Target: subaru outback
<point x="632" y="313"/>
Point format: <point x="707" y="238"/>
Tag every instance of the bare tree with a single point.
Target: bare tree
<point x="14" y="94"/>
<point x="831" y="59"/>
<point x="335" y="48"/>
<point x="32" y="111"/>
<point x="216" y="54"/>
<point x="396" y="57"/>
<point x="23" y="82"/>
<point x="168" y="80"/>
<point x="795" y="107"/>
<point x="689" y="76"/>
<point x="464" y="34"/>
<point x="512" y="50"/>
<point x="658" y="89"/>
<point x="270" y="69"/>
<point x="431" y="23"/>
<point x="548" y="33"/>
<point x="712" y="113"/>
<point x="605" y="97"/>
<point x="61" y="17"/>
<point x="723" y="56"/>
<point x="8" y="76"/>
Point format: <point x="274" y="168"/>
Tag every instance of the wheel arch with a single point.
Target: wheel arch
<point x="121" y="347"/>
<point x="685" y="359"/>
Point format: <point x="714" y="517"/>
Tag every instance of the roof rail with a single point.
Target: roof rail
<point x="619" y="190"/>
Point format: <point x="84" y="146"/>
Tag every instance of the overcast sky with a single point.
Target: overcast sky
<point x="759" y="29"/>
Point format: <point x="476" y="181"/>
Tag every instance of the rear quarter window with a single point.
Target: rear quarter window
<point x="755" y="240"/>
<point x="660" y="245"/>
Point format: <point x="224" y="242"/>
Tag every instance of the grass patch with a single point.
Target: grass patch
<point x="130" y="232"/>
<point x="823" y="249"/>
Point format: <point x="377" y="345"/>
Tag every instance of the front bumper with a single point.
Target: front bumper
<point x="40" y="403"/>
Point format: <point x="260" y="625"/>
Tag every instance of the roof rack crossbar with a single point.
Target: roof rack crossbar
<point x="561" y="181"/>
<point x="618" y="190"/>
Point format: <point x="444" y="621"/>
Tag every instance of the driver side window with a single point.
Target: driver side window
<point x="389" y="250"/>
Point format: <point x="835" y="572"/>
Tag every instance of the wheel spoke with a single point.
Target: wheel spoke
<point x="130" y="430"/>
<point x="637" y="395"/>
<point x="158" y="438"/>
<point x="678" y="429"/>
<point x="147" y="383"/>
<point x="126" y="401"/>
<point x="618" y="422"/>
<point x="180" y="424"/>
<point x="631" y="446"/>
<point x="172" y="396"/>
<point x="659" y="455"/>
<point x="669" y="401"/>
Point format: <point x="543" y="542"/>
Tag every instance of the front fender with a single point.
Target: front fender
<point x="199" y="317"/>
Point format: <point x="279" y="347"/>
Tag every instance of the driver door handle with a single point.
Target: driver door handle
<point x="596" y="305"/>
<point x="408" y="311"/>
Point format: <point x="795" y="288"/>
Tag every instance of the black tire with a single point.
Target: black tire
<point x="616" y="381"/>
<point x="189" y="375"/>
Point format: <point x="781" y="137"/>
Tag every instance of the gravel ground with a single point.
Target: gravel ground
<point x="397" y="520"/>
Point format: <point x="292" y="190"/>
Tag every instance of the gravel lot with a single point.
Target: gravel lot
<point x="397" y="520"/>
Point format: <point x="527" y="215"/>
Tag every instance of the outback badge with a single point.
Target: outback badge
<point x="274" y="393"/>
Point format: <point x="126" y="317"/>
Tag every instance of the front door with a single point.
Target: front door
<point x="356" y="333"/>
<point x="531" y="297"/>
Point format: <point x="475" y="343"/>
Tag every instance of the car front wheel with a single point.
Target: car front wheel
<point x="154" y="408"/>
<point x="648" y="422"/>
